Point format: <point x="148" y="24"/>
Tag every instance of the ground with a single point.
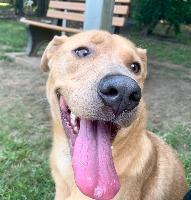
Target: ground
<point x="25" y="134"/>
<point x="25" y="125"/>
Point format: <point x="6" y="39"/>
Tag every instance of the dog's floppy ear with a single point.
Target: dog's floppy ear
<point x="143" y="55"/>
<point x="52" y="47"/>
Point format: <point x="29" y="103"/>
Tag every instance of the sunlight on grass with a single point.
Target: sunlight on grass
<point x="4" y="4"/>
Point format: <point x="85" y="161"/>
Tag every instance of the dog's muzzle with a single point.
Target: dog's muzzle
<point x="120" y="93"/>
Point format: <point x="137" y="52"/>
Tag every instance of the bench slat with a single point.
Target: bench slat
<point x="122" y="1"/>
<point x="117" y="21"/>
<point x="50" y="26"/>
<point x="67" y="5"/>
<point x="121" y="10"/>
<point x="118" y="9"/>
<point x="116" y="1"/>
<point x="65" y="15"/>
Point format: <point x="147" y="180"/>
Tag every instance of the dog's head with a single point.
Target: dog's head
<point x="99" y="75"/>
<point x="94" y="87"/>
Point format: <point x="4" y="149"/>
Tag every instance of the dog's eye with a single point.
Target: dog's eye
<point x="135" y="67"/>
<point x="82" y="52"/>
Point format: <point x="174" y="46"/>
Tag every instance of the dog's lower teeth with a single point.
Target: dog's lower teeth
<point x="73" y="122"/>
<point x="73" y="119"/>
<point x="76" y="129"/>
<point x="72" y="116"/>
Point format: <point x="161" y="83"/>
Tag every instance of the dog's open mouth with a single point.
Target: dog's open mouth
<point x="90" y="145"/>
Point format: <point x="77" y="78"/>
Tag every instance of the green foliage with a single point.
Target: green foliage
<point x="149" y="13"/>
<point x="188" y="15"/>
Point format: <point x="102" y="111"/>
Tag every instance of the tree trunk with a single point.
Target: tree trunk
<point x="19" y="7"/>
<point x="148" y="30"/>
<point x="41" y="8"/>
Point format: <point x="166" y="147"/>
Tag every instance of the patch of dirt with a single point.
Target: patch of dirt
<point x="25" y="85"/>
<point x="168" y="95"/>
<point x="167" y="92"/>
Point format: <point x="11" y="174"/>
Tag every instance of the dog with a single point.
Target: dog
<point x="101" y="149"/>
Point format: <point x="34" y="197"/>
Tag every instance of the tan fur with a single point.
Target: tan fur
<point x="148" y="168"/>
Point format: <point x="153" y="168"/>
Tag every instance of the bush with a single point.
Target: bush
<point x="30" y="7"/>
<point x="148" y="13"/>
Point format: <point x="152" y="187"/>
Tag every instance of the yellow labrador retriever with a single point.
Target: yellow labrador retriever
<point x="101" y="149"/>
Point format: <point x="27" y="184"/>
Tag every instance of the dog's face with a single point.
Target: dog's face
<point x="77" y="65"/>
<point x="95" y="80"/>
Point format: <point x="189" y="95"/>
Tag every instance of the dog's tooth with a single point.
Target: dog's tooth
<point x="72" y="115"/>
<point x="73" y="119"/>
<point x="112" y="147"/>
<point x="76" y="130"/>
<point x="73" y="122"/>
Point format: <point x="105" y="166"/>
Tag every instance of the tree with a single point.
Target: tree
<point x="30" y="7"/>
<point x="19" y="7"/>
<point x="148" y="13"/>
<point x="42" y="6"/>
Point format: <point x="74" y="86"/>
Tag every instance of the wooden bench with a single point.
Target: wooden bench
<point x="63" y="16"/>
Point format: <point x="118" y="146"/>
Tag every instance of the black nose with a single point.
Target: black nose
<point x="119" y="92"/>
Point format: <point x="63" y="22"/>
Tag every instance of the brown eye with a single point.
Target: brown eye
<point x="135" y="67"/>
<point x="82" y="52"/>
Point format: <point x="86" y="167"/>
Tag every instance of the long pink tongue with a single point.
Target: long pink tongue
<point x="92" y="161"/>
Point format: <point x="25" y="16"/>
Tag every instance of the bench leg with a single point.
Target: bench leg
<point x="116" y="30"/>
<point x="38" y="36"/>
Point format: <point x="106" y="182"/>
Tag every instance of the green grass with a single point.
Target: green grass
<point x="179" y="137"/>
<point x="24" y="149"/>
<point x="183" y="37"/>
<point x="24" y="154"/>
<point x="13" y="35"/>
<point x="175" y="50"/>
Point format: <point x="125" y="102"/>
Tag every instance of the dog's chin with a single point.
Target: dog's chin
<point x="125" y="119"/>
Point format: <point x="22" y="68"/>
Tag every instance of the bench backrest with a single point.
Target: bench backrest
<point x="74" y="11"/>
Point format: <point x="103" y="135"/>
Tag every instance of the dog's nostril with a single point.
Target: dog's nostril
<point x="135" y="96"/>
<point x="111" y="92"/>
